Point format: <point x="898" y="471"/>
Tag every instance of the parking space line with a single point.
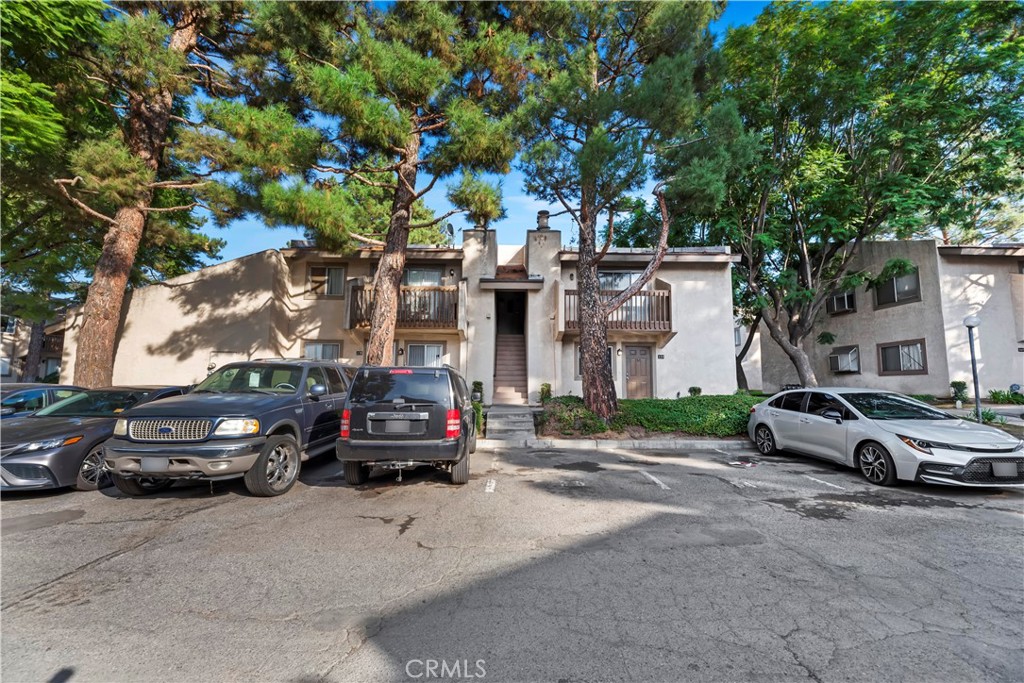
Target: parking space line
<point x="825" y="482"/>
<point x="490" y="486"/>
<point x="653" y="478"/>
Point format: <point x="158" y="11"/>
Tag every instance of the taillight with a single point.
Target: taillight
<point x="454" y="424"/>
<point x="346" y="423"/>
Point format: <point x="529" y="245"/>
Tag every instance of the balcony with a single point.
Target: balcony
<point x="645" y="311"/>
<point x="418" y="307"/>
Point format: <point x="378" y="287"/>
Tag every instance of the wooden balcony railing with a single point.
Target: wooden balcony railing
<point x="645" y="311"/>
<point x="417" y="307"/>
<point x="53" y="343"/>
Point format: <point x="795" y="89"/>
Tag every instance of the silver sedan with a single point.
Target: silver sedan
<point x="888" y="437"/>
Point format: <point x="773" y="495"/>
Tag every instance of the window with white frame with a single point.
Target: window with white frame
<point x="327" y="282"/>
<point x="903" y="358"/>
<point x="844" y="359"/>
<point x="321" y="350"/>
<point x="8" y="324"/>
<point x="898" y="290"/>
<point x="5" y="367"/>
<point x="425" y="355"/>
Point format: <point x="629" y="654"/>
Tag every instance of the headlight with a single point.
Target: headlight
<point x="121" y="427"/>
<point x="925" y="446"/>
<point x="1019" y="446"/>
<point x="51" y="443"/>
<point x="238" y="427"/>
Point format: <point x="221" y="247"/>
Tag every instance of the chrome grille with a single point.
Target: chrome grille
<point x="979" y="471"/>
<point x="168" y="430"/>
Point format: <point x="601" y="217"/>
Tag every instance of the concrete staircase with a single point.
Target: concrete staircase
<point x="509" y="422"/>
<point x="510" y="370"/>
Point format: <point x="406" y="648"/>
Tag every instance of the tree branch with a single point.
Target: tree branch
<point x="437" y="220"/>
<point x="63" y="185"/>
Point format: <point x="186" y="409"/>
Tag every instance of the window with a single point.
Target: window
<point x="737" y="336"/>
<point x="817" y="403"/>
<point x="322" y="350"/>
<point x="316" y="376"/>
<point x="425" y="355"/>
<point x="326" y="281"/>
<point x="8" y="324"/>
<point x="336" y="383"/>
<point x="617" y="280"/>
<point x="903" y="358"/>
<point x="422" y="276"/>
<point x="844" y="359"/>
<point x="5" y="367"/>
<point x="841" y="302"/>
<point x="899" y="290"/>
<point x="792" y="401"/>
<point x="579" y="361"/>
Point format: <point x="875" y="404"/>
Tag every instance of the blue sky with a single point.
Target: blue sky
<point x="251" y="235"/>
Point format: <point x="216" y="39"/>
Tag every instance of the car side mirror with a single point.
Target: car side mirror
<point x="832" y="414"/>
<point x="317" y="390"/>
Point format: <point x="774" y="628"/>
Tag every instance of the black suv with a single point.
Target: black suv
<point x="254" y="419"/>
<point x="404" y="417"/>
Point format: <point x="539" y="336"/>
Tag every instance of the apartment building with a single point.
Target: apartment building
<point x="908" y="333"/>
<point x="507" y="316"/>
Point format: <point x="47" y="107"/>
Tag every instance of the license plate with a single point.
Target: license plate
<point x="1004" y="469"/>
<point x="397" y="426"/>
<point x="153" y="464"/>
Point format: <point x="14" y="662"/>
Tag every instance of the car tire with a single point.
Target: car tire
<point x="140" y="487"/>
<point x="276" y="469"/>
<point x="356" y="473"/>
<point x="875" y="463"/>
<point x="91" y="473"/>
<point x="764" y="441"/>
<point x="460" y="470"/>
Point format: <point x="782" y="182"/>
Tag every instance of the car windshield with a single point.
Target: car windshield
<point x="885" y="406"/>
<point x="97" y="403"/>
<point x="260" y="379"/>
<point x="400" y="385"/>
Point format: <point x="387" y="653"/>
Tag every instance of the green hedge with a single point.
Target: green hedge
<point x="696" y="415"/>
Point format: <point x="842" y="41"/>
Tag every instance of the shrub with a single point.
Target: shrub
<point x="478" y="410"/>
<point x="545" y="392"/>
<point x="568" y="416"/>
<point x="998" y="396"/>
<point x="992" y="417"/>
<point x="697" y="415"/>
<point x="959" y="390"/>
<point x="694" y="391"/>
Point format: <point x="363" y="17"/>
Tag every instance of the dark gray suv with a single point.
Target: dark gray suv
<point x="401" y="417"/>
<point x="254" y="419"/>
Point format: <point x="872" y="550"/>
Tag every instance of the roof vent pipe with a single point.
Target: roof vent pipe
<point x="542" y="220"/>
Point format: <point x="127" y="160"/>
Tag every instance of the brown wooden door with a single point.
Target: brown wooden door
<point x="638" y="372"/>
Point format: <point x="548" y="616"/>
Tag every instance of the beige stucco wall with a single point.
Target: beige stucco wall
<point x="480" y="260"/>
<point x="174" y="330"/>
<point x="983" y="286"/>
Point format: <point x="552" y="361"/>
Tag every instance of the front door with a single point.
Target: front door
<point x="638" y="372"/>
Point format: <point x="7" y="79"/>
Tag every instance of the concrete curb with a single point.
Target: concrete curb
<point x="617" y="444"/>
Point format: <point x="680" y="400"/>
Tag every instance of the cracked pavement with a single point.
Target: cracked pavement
<point x="548" y="566"/>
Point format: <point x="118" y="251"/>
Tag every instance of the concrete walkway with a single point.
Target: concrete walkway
<point x="666" y="444"/>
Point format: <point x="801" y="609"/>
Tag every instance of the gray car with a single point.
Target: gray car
<point x="62" y="445"/>
<point x="888" y="437"/>
<point x="18" y="399"/>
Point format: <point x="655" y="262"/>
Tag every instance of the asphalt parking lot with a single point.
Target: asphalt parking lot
<point x="550" y="565"/>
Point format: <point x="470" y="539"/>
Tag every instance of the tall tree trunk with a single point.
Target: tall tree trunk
<point x="147" y="122"/>
<point x="37" y="335"/>
<point x="792" y="348"/>
<point x="388" y="282"/>
<point x="598" y="382"/>
<point x="741" y="375"/>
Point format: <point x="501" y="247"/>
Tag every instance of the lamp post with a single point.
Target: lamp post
<point x="970" y="322"/>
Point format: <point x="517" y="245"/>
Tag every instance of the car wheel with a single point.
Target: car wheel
<point x="356" y="473"/>
<point x="91" y="473"/>
<point x="140" y="487"/>
<point x="277" y="468"/>
<point x="764" y="440"/>
<point x="876" y="464"/>
<point x="460" y="470"/>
